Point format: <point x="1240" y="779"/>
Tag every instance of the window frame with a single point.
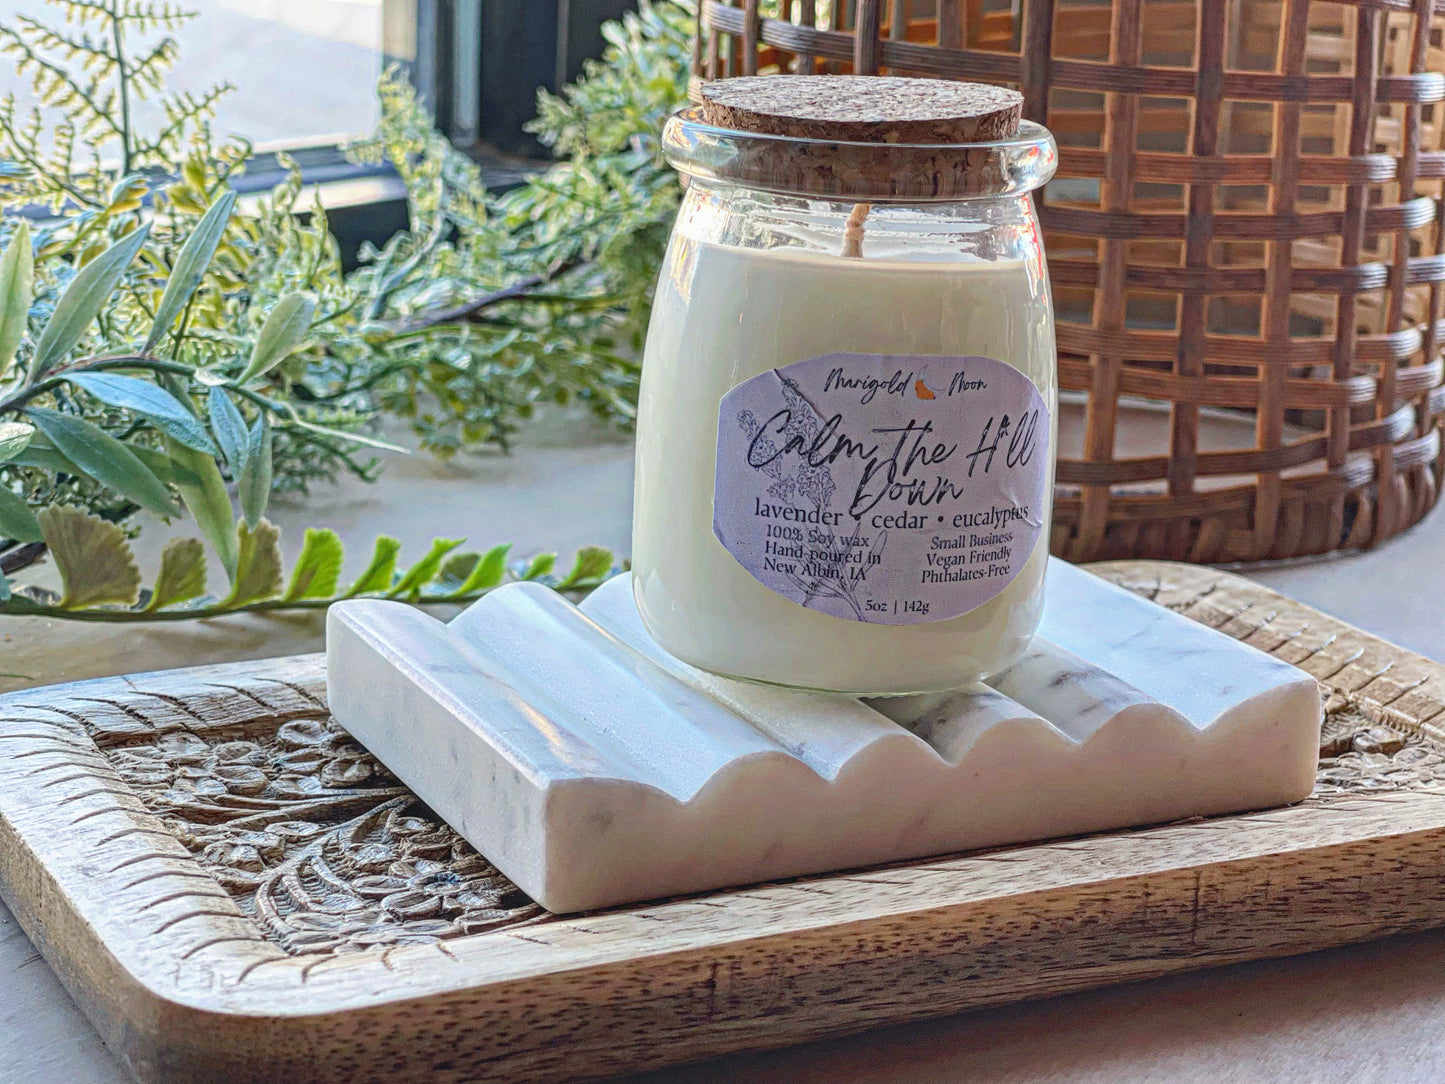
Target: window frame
<point x="477" y="64"/>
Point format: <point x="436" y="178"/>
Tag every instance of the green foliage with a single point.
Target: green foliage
<point x="17" y="273"/>
<point x="478" y="572"/>
<point x="182" y="576"/>
<point x="258" y="564"/>
<point x="146" y="273"/>
<point x="318" y="568"/>
<point x="103" y="582"/>
<point x="96" y="566"/>
<point x="163" y="347"/>
<point x="93" y="70"/>
<point x="487" y="306"/>
<point x="98" y="455"/>
<point x="379" y="574"/>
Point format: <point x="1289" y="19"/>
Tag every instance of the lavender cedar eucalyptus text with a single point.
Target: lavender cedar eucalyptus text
<point x="882" y="488"/>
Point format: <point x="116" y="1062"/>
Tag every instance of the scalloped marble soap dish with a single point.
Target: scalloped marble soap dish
<point x="593" y="769"/>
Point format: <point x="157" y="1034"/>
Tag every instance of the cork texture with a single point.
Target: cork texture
<point x="863" y="109"/>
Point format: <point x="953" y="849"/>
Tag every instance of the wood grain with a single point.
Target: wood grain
<point x="118" y="882"/>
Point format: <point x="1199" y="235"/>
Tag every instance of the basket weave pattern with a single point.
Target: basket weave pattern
<point x="1246" y="224"/>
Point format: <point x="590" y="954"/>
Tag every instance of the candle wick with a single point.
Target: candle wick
<point x="853" y="231"/>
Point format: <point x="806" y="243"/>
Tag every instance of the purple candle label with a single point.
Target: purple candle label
<point x="895" y="489"/>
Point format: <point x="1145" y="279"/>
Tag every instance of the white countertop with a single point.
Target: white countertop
<point x="1371" y="1012"/>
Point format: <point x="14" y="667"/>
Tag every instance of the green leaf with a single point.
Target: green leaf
<point x="285" y="327"/>
<point x="102" y="457"/>
<point x="96" y="565"/>
<point x="540" y="565"/>
<point x="229" y="427"/>
<point x="16" y="520"/>
<point x="162" y="465"/>
<point x="182" y="576"/>
<point x="425" y="570"/>
<point x="190" y="267"/>
<point x="42" y="455"/>
<point x="318" y="568"/>
<point x="380" y="572"/>
<point x="258" y="564"/>
<point x="150" y="401"/>
<point x="591" y="567"/>
<point x="456" y="568"/>
<point x="17" y="291"/>
<point x="83" y="299"/>
<point x="342" y="434"/>
<point x="178" y="389"/>
<point x="487" y="572"/>
<point x="14" y="438"/>
<point x="204" y="492"/>
<point x="255" y="481"/>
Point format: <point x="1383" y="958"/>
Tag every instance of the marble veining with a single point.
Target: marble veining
<point x="594" y="769"/>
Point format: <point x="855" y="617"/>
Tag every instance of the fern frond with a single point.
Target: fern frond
<point x="46" y="181"/>
<point x="86" y="12"/>
<point x="137" y="14"/>
<point x="84" y="48"/>
<point x="185" y="112"/>
<point x="153" y="14"/>
<point x="148" y="72"/>
<point x="55" y="87"/>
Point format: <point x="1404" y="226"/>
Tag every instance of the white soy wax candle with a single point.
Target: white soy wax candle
<point x="845" y="435"/>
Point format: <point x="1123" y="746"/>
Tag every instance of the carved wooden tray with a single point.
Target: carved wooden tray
<point x="233" y="889"/>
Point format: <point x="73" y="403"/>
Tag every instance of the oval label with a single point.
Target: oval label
<point x="892" y="489"/>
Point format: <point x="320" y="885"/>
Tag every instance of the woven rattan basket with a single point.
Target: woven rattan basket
<point x="1244" y="237"/>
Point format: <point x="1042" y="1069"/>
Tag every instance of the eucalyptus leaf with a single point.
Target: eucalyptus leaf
<point x="150" y="401"/>
<point x="17" y="291"/>
<point x="180" y="391"/>
<point x="14" y="438"/>
<point x="17" y="521"/>
<point x="182" y="576"/>
<point x="318" y="568"/>
<point x="42" y="455"/>
<point x="204" y="491"/>
<point x="163" y="466"/>
<point x="254" y="485"/>
<point x="87" y="294"/>
<point x="190" y="267"/>
<point x="424" y="571"/>
<point x="258" y="564"/>
<point x="93" y="557"/>
<point x="285" y="328"/>
<point x="229" y="427"/>
<point x="103" y="458"/>
<point x="380" y="571"/>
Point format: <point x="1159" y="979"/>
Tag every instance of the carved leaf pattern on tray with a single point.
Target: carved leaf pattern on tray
<point x="315" y="840"/>
<point x="1360" y="753"/>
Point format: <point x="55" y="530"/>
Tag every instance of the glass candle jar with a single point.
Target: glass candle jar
<point x="847" y="419"/>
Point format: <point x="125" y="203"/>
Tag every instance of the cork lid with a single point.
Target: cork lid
<point x="864" y="108"/>
<point x="857" y="137"/>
